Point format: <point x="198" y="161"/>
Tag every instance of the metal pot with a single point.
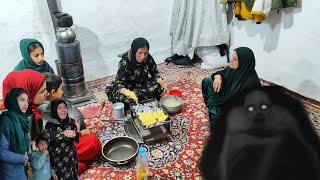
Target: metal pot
<point x="65" y="34"/>
<point x="171" y="104"/>
<point x="120" y="150"/>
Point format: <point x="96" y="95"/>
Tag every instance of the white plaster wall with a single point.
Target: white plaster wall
<point x="104" y="28"/>
<point x="23" y="19"/>
<point x="286" y="45"/>
<point x="107" y="28"/>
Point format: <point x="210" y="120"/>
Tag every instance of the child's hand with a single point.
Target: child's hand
<point x="69" y="133"/>
<point x="55" y="177"/>
<point x="26" y="158"/>
<point x="45" y="151"/>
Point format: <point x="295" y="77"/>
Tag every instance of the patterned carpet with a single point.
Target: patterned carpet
<point x="178" y="157"/>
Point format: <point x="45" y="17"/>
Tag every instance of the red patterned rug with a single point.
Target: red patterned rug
<point x="178" y="157"/>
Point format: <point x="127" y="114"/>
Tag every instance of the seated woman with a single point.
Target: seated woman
<point x="89" y="145"/>
<point x="137" y="77"/>
<point x="34" y="84"/>
<point x="33" y="57"/>
<point x="62" y="133"/>
<point x="230" y="83"/>
<point x="14" y="141"/>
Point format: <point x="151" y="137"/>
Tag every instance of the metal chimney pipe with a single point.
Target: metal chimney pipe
<point x="69" y="63"/>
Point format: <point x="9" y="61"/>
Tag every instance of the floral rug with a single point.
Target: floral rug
<point x="178" y="157"/>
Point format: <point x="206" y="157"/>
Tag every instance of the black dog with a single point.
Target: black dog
<point x="268" y="136"/>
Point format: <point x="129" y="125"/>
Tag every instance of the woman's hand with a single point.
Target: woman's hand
<point x="69" y="133"/>
<point x="129" y="94"/>
<point x="84" y="132"/>
<point x="162" y="84"/>
<point x="217" y="83"/>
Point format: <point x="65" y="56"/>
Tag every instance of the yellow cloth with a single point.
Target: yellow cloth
<point x="131" y="95"/>
<point x="237" y="8"/>
<point x="245" y="11"/>
<point x="150" y="118"/>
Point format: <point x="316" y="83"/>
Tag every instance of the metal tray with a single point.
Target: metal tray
<point x="155" y="102"/>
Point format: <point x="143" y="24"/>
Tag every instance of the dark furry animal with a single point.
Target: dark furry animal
<point x="266" y="136"/>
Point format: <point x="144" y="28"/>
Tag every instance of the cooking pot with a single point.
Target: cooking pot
<point x="171" y="104"/>
<point x="120" y="150"/>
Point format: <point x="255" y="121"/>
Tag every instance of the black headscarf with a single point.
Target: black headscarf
<point x="54" y="112"/>
<point x="135" y="45"/>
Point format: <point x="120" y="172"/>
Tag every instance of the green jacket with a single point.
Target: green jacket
<point x="279" y="4"/>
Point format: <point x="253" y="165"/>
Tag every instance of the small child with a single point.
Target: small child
<point x="40" y="161"/>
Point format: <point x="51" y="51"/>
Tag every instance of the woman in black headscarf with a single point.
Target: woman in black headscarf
<point x="62" y="132"/>
<point x="230" y="83"/>
<point x="137" y="77"/>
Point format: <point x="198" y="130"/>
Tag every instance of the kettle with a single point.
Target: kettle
<point x="65" y="34"/>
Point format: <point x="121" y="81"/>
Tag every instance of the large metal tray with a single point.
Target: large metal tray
<point x="155" y="102"/>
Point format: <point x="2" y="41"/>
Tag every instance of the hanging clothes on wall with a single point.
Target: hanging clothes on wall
<point x="197" y="24"/>
<point x="258" y="10"/>
<point x="261" y="10"/>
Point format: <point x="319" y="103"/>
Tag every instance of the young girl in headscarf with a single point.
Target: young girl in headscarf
<point x="137" y="77"/>
<point x="33" y="57"/>
<point x="89" y="145"/>
<point x="62" y="132"/>
<point x="14" y="141"/>
<point x="234" y="81"/>
<point x="34" y="84"/>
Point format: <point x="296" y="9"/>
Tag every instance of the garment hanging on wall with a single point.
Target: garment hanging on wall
<point x="276" y="4"/>
<point x="259" y="9"/>
<point x="198" y="24"/>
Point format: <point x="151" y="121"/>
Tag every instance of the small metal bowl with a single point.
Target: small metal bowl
<point x="171" y="104"/>
<point x="120" y="150"/>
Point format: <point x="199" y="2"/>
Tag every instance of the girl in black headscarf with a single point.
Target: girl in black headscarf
<point x="137" y="77"/>
<point x="62" y="132"/>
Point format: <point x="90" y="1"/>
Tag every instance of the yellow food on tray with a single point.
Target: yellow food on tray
<point x="160" y="116"/>
<point x="147" y="118"/>
<point x="150" y="118"/>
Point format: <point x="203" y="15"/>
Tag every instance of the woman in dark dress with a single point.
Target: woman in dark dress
<point x="234" y="81"/>
<point x="62" y="132"/>
<point x="137" y="77"/>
